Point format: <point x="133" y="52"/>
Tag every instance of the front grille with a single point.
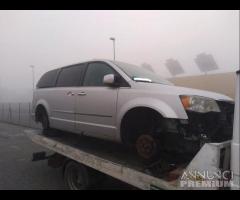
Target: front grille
<point x="217" y="126"/>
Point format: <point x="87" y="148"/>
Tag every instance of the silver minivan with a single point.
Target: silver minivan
<point x="125" y="103"/>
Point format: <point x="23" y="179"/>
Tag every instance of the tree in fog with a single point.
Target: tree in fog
<point x="147" y="66"/>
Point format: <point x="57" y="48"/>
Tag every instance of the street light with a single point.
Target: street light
<point x="113" y="39"/>
<point x="33" y="76"/>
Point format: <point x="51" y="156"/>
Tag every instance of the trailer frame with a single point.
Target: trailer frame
<point x="212" y="157"/>
<point x="104" y="165"/>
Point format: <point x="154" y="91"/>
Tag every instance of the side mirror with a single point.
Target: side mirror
<point x="111" y="80"/>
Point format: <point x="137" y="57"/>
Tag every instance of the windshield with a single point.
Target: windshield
<point x="140" y="74"/>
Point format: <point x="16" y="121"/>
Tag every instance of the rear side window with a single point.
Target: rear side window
<point x="95" y="73"/>
<point x="71" y="76"/>
<point x="48" y="79"/>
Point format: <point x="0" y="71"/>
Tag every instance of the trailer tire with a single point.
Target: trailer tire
<point x="76" y="176"/>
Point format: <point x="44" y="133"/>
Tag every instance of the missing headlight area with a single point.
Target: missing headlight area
<point x="186" y="137"/>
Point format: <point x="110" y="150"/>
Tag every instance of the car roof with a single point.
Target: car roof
<point x="85" y="61"/>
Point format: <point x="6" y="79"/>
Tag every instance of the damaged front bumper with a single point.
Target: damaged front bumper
<point x="188" y="136"/>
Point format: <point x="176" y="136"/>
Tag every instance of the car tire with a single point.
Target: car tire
<point x="147" y="147"/>
<point x="44" y="120"/>
<point x="76" y="176"/>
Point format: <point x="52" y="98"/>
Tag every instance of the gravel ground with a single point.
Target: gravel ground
<point x="18" y="172"/>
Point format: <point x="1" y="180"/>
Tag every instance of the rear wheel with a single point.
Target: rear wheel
<point x="44" y="120"/>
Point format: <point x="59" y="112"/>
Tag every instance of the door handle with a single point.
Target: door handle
<point x="81" y="94"/>
<point x="70" y="93"/>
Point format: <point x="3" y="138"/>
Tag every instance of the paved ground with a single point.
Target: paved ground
<point x="18" y="172"/>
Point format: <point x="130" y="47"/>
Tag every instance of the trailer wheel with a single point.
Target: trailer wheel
<point x="76" y="176"/>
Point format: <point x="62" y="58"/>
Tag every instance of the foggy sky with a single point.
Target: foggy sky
<point x="51" y="39"/>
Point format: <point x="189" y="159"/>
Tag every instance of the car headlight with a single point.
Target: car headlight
<point x="199" y="104"/>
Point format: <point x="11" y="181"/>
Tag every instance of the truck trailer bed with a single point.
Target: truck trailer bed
<point x="118" y="162"/>
<point x="106" y="157"/>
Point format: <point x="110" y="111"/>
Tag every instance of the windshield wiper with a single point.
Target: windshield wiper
<point x="138" y="79"/>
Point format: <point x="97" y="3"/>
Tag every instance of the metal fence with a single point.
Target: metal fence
<point x="18" y="114"/>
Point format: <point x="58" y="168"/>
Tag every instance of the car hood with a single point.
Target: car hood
<point x="176" y="90"/>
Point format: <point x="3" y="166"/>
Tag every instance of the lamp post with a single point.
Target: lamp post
<point x="33" y="76"/>
<point x="113" y="39"/>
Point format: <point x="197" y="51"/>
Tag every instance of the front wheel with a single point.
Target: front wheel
<point x="147" y="147"/>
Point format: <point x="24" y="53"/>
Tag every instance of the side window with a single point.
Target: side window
<point x="95" y="73"/>
<point x="48" y="79"/>
<point x="70" y="76"/>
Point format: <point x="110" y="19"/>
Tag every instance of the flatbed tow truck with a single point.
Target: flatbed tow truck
<point x="85" y="160"/>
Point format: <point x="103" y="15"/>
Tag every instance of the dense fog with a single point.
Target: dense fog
<point x="156" y="40"/>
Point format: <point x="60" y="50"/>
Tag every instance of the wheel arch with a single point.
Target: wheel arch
<point x="41" y="105"/>
<point x="160" y="106"/>
<point x="129" y="117"/>
<point x="155" y="104"/>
